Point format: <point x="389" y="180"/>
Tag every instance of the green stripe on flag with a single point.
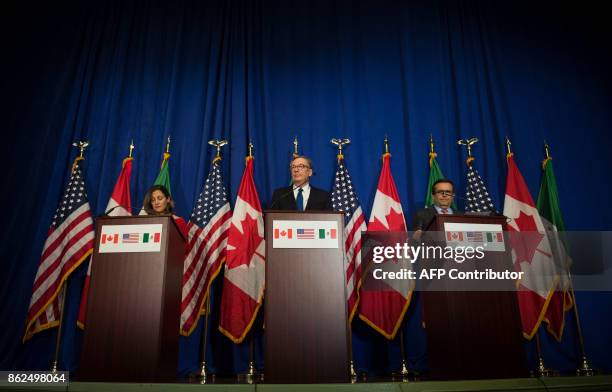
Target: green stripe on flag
<point x="145" y="237"/>
<point x="322" y="233"/>
<point x="163" y="178"/>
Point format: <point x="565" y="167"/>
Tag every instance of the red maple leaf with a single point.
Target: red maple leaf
<point x="245" y="244"/>
<point x="395" y="221"/>
<point x="527" y="239"/>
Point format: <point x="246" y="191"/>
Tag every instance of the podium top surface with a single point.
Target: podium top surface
<point x="139" y="219"/>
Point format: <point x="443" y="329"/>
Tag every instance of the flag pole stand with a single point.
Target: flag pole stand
<point x="542" y="370"/>
<point x="352" y="371"/>
<point x="252" y="376"/>
<point x="204" y="376"/>
<point x="58" y="341"/>
<point x="404" y="371"/>
<point x="585" y="368"/>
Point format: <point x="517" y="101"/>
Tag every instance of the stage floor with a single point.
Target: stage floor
<point x="566" y="384"/>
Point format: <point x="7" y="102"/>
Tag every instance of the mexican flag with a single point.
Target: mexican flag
<point x="550" y="211"/>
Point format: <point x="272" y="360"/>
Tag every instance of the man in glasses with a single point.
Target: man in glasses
<point x="443" y="192"/>
<point x="300" y="195"/>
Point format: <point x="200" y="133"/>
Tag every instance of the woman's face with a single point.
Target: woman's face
<point x="159" y="201"/>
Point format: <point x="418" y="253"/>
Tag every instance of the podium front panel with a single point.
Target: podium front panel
<point x="305" y="309"/>
<point x="133" y="309"/>
<point x="474" y="334"/>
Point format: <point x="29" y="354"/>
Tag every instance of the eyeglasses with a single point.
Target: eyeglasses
<point x="444" y="193"/>
<point x="299" y="167"/>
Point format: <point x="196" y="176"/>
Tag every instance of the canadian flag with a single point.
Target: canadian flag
<point x="283" y="233"/>
<point x="244" y="278"/>
<point x="120" y="204"/>
<point x="531" y="252"/>
<point x="384" y="309"/>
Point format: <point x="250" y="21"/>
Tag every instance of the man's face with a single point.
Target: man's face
<point x="443" y="194"/>
<point x="300" y="171"/>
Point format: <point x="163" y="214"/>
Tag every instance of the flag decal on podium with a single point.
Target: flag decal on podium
<point x="130" y="238"/>
<point x="305" y="234"/>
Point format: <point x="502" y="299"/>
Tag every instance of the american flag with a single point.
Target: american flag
<point x="476" y="195"/>
<point x="206" y="249"/>
<point x="344" y="199"/>
<point x="130" y="238"/>
<point x="475" y="236"/>
<point x="69" y="242"/>
<point x="305" y="234"/>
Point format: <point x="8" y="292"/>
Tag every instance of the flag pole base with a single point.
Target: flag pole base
<point x="542" y="370"/>
<point x="204" y="375"/>
<point x="403" y="374"/>
<point x="353" y="372"/>
<point x="252" y="376"/>
<point x="585" y="369"/>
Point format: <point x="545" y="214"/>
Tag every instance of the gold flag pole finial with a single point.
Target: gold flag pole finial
<point x="508" y="149"/>
<point x="168" y="145"/>
<point x="81" y="145"/>
<point x="468" y="143"/>
<point x="217" y="144"/>
<point x="547" y="155"/>
<point x="431" y="144"/>
<point x="340" y="142"/>
<point x="132" y="147"/>
<point x="432" y="151"/>
<point x="386" y="144"/>
<point x="250" y="149"/>
<point x="295" y="147"/>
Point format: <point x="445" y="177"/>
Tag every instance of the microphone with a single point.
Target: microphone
<point x="293" y="188"/>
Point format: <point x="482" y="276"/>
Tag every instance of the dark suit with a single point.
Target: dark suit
<point x="318" y="200"/>
<point x="424" y="216"/>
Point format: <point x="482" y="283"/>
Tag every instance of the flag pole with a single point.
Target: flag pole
<point x="584" y="368"/>
<point x="432" y="151"/>
<point x="352" y="371"/>
<point x="542" y="370"/>
<point x="252" y="375"/>
<point x="404" y="371"/>
<point x="81" y="145"/>
<point x="295" y="147"/>
<point x="204" y="376"/>
<point x="58" y="340"/>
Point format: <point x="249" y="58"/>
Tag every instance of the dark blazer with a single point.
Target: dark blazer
<point x="318" y="200"/>
<point x="424" y="216"/>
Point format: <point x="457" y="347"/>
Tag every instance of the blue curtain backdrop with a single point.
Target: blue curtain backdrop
<point x="267" y="71"/>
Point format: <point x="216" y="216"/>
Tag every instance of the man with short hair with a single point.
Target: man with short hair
<point x="301" y="196"/>
<point x="443" y="192"/>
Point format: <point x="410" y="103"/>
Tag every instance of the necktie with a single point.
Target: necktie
<point x="299" y="200"/>
<point x="444" y="211"/>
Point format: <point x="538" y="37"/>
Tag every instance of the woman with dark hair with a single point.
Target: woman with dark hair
<point x="157" y="201"/>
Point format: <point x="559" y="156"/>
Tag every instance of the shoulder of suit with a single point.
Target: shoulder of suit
<point x="318" y="190"/>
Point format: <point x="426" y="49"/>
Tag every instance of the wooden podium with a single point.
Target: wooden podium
<point x="474" y="334"/>
<point x="133" y="307"/>
<point x="305" y="306"/>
